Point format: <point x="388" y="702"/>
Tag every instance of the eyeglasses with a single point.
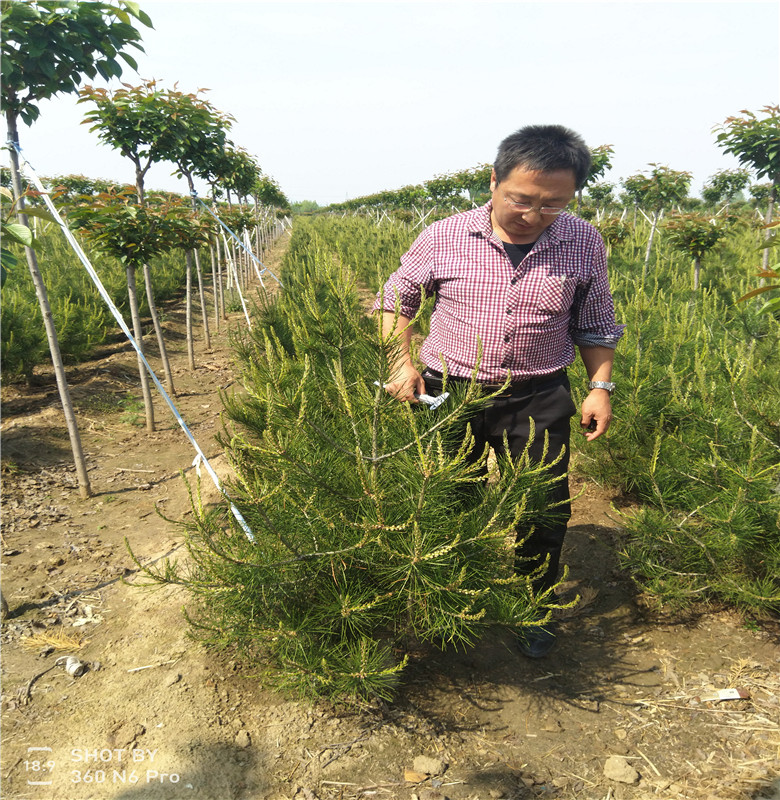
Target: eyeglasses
<point x="548" y="211"/>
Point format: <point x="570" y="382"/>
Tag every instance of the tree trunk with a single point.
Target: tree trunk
<point x="201" y="293"/>
<point x="190" y="346"/>
<point x="85" y="489"/>
<point x="139" y="181"/>
<point x="696" y="272"/>
<point x="221" y="259"/>
<point x="215" y="287"/>
<point x="158" y="330"/>
<point x="220" y="277"/>
<point x="135" y="315"/>
<point x="202" y="297"/>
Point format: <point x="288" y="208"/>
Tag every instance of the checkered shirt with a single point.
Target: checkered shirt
<point x="526" y="320"/>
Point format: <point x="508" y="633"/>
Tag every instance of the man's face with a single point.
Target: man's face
<point x="537" y="189"/>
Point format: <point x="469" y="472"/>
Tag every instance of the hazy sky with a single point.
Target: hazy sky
<point x="338" y="100"/>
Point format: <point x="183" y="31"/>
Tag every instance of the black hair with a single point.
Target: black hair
<point x="544" y="148"/>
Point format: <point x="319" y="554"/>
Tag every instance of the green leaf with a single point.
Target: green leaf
<point x="772" y="307"/>
<point x="9" y="260"/>
<point x="130" y="60"/>
<point x="18" y="233"/>
<point x="40" y="213"/>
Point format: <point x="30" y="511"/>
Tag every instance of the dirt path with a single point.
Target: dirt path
<point x="156" y="716"/>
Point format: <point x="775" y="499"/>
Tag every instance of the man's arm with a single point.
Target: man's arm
<point x="596" y="407"/>
<point x="405" y="380"/>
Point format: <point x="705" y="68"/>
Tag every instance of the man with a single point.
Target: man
<point x="525" y="282"/>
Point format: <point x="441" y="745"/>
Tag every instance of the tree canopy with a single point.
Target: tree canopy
<point x="48" y="46"/>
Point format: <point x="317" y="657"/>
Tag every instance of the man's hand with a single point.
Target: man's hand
<point x="596" y="414"/>
<point x="406" y="381"/>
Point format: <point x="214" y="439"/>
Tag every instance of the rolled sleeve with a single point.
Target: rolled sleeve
<point x="593" y="313"/>
<point x="592" y="321"/>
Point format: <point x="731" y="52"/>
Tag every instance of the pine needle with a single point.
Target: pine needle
<point x="59" y="641"/>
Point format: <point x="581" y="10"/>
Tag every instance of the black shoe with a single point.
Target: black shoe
<point x="536" y="641"/>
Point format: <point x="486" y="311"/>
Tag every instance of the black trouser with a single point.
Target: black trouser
<point x="548" y="401"/>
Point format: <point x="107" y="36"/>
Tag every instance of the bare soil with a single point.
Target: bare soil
<point x="157" y="716"/>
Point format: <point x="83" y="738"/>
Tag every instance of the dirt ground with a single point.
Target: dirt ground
<point x="618" y="710"/>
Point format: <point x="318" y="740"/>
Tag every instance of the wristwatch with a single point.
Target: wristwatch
<point x="608" y="385"/>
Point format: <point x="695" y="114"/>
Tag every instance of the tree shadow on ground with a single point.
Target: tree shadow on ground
<point x="31" y="448"/>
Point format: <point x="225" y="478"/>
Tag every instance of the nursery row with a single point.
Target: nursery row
<point x="81" y="318"/>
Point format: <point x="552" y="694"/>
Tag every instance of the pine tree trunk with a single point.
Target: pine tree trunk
<point x="190" y="346"/>
<point x="135" y="314"/>
<point x="696" y="272"/>
<point x="85" y="489"/>
<point x="158" y="330"/>
<point x="202" y="297"/>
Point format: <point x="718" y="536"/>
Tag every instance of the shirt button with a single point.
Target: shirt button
<point x="508" y="338"/>
<point x="513" y="281"/>
<point x="509" y="311"/>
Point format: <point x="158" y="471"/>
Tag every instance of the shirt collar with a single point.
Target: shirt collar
<point x="560" y="231"/>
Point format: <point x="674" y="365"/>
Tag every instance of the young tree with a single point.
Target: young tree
<point x="755" y="141"/>
<point x="136" y="121"/>
<point x="212" y="172"/>
<point x="443" y="188"/>
<point x="724" y="185"/>
<point x="601" y="194"/>
<point x="760" y="192"/>
<point x="47" y="48"/>
<point x="135" y="234"/>
<point x="613" y="230"/>
<point x="662" y="189"/>
<point x="198" y="133"/>
<point x="695" y="235"/>
<point x="476" y="181"/>
<point x="267" y="193"/>
<point x="231" y="169"/>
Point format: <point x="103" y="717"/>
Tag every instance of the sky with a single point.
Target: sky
<point x="340" y="100"/>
